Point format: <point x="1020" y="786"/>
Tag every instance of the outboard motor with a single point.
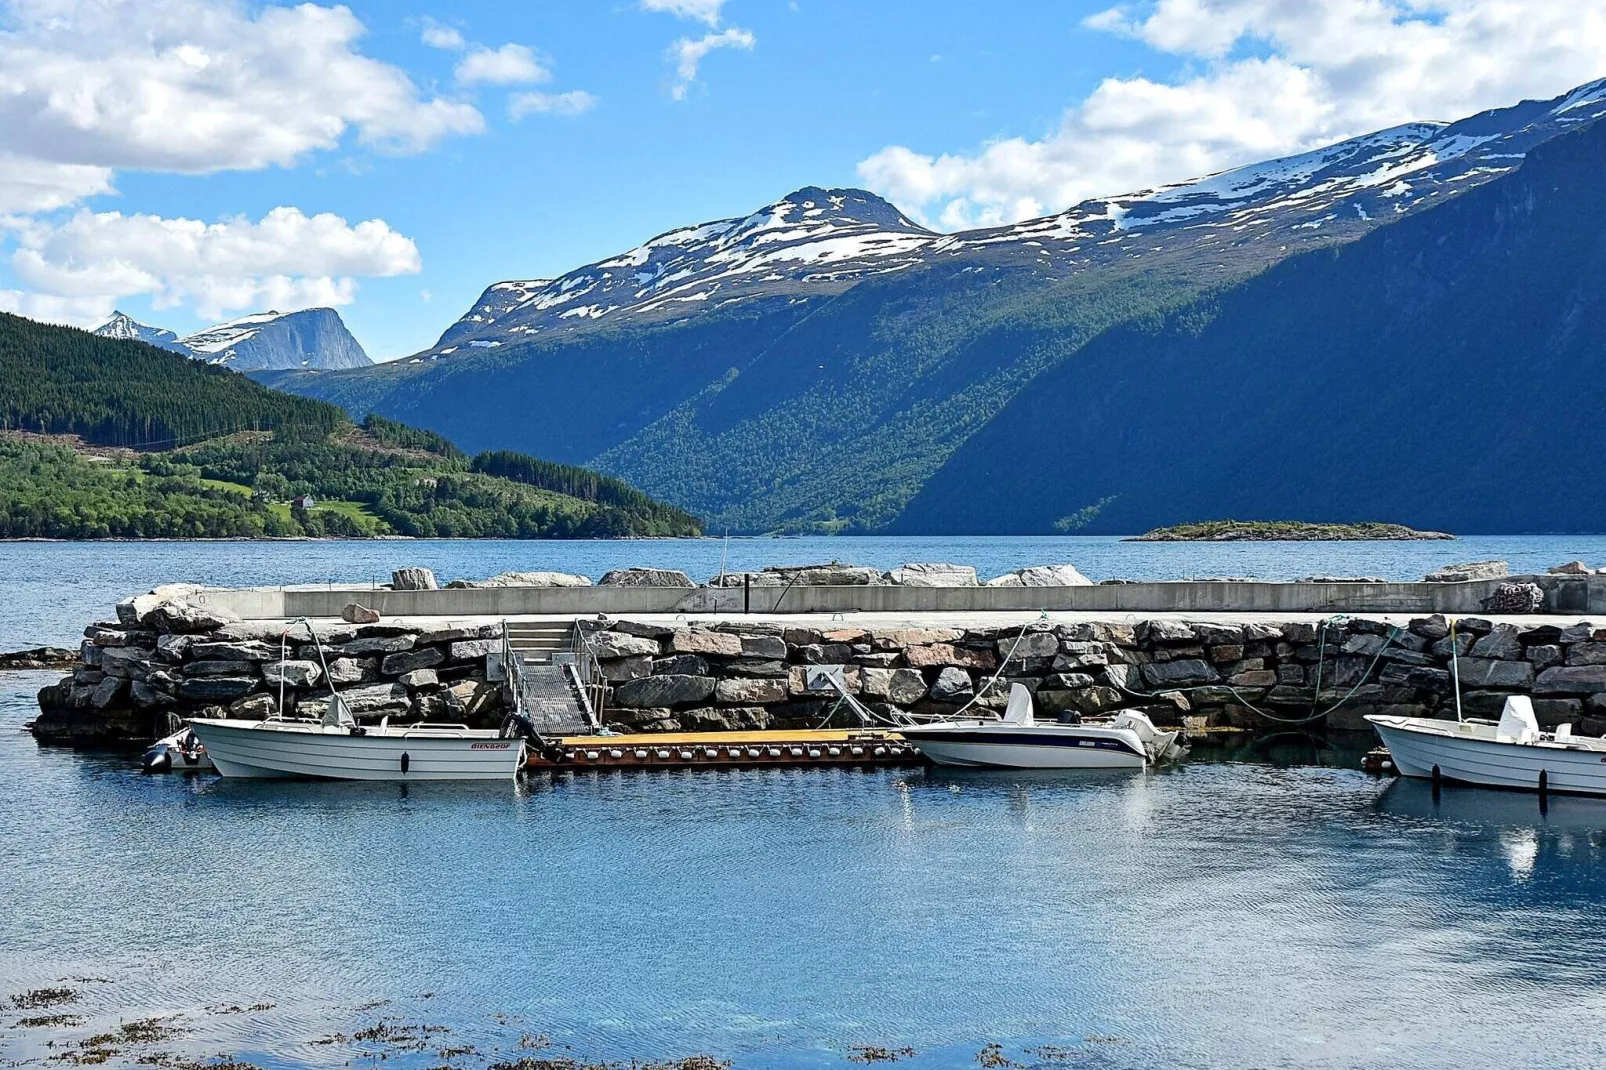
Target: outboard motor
<point x="1161" y="746"/>
<point x="158" y="759"/>
<point x="518" y="726"/>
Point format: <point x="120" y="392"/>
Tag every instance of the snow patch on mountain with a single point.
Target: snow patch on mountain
<point x="818" y="242"/>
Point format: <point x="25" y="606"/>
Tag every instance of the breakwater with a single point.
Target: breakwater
<point x="173" y="653"/>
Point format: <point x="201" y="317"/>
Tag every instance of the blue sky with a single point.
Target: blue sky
<point x="193" y="160"/>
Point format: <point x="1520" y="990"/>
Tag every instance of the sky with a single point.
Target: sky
<point x="189" y="161"/>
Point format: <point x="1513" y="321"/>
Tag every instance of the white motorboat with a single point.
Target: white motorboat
<point x="1510" y="753"/>
<point x="1020" y="741"/>
<point x="335" y="748"/>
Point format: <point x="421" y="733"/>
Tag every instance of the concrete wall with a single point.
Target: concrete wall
<point x="1563" y="595"/>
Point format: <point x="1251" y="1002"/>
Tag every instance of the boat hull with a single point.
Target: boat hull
<point x="1007" y="747"/>
<point x="247" y="749"/>
<point x="1489" y="763"/>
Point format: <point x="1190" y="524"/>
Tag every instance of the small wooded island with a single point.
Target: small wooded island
<point x="1283" y="531"/>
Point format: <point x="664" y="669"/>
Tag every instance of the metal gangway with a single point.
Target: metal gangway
<point x="552" y="672"/>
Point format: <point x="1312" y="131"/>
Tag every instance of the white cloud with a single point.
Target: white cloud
<point x="77" y="269"/>
<point x="687" y="54"/>
<point x="702" y="10"/>
<point x="446" y="38"/>
<point x="574" y="102"/>
<point x="1278" y="77"/>
<point x="193" y="86"/>
<point x="509" y="65"/>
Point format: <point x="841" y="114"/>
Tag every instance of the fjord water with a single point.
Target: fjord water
<point x="1213" y="915"/>
<point x="1217" y="914"/>
<point x="55" y="588"/>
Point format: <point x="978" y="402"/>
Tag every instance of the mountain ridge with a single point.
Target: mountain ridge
<point x="803" y="372"/>
<point x="263" y="341"/>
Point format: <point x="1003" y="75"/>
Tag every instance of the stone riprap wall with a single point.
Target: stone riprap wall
<point x="753" y="674"/>
<point x="166" y="653"/>
<point x="172" y="656"/>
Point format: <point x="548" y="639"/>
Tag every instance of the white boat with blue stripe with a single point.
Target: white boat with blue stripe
<point x="1019" y="741"/>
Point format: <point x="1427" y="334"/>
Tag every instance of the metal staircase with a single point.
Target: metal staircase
<point x="555" y="678"/>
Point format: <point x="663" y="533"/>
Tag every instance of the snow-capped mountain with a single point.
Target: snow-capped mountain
<point x="122" y="325"/>
<point x="279" y="341"/>
<point x="818" y="237"/>
<point x="267" y="341"/>
<point x="818" y="242"/>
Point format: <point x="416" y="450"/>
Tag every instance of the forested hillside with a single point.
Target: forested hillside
<point x="116" y="392"/>
<point x="1445" y="372"/>
<point x="109" y="438"/>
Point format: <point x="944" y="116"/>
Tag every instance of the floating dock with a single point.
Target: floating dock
<point x="680" y="750"/>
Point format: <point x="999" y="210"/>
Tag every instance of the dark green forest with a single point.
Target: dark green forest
<point x="105" y="438"/>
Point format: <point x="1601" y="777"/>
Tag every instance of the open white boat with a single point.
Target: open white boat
<point x="1512" y="753"/>
<point x="1020" y="741"/>
<point x="337" y="749"/>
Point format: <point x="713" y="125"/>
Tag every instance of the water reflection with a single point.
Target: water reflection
<point x="1211" y="914"/>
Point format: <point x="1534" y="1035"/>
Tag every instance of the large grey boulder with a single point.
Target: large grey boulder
<point x="474" y="649"/>
<point x="645" y="577"/>
<point x="835" y="574"/>
<point x="609" y="645"/>
<point x="668" y="691"/>
<point x="705" y="641"/>
<point x="1470" y="570"/>
<point x="107" y="692"/>
<point x="291" y="673"/>
<point x="408" y="660"/>
<point x="1042" y="576"/>
<point x="1576" y="568"/>
<point x="524" y="579"/>
<point x="419" y="678"/>
<point x="952" y="685"/>
<point x="343" y="671"/>
<point x="377" y="644"/>
<point x="1489" y="672"/>
<point x="357" y="613"/>
<point x="413" y="578"/>
<point x="750" y="692"/>
<point x="216" y="688"/>
<point x="219" y="668"/>
<point x="618" y="670"/>
<point x="902" y="687"/>
<point x="179" y="616"/>
<point x="1179" y="673"/>
<point x="361" y="701"/>
<point x="1572" y="679"/>
<point x="200" y="651"/>
<point x="932" y="575"/>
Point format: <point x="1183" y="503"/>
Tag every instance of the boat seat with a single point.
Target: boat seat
<point x="1564" y="731"/>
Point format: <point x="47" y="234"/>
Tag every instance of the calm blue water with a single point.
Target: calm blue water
<point x="56" y="588"/>
<point x="1215" y="915"/>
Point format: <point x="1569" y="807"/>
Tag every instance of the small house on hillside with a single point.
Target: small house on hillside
<point x="304" y="501"/>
